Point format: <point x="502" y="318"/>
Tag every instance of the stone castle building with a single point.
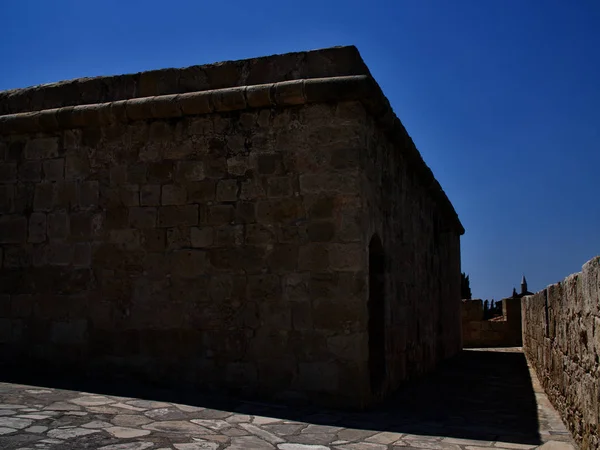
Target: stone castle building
<point x="265" y="226"/>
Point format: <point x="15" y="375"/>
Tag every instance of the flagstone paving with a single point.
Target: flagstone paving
<point x="484" y="400"/>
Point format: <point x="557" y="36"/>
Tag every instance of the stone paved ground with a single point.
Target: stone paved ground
<point x="481" y="400"/>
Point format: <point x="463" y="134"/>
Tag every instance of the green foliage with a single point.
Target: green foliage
<point x="465" y="286"/>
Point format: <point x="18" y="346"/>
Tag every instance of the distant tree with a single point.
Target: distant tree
<point x="486" y="309"/>
<point x="465" y="286"/>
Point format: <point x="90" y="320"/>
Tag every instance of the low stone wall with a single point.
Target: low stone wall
<point x="561" y="338"/>
<point x="503" y="332"/>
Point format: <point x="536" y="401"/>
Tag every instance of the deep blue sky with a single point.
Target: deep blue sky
<point x="501" y="97"/>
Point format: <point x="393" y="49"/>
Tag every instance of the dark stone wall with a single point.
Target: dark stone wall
<point x="211" y="249"/>
<point x="219" y="239"/>
<point x="422" y="256"/>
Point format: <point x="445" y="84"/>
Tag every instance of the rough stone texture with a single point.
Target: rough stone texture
<point x="498" y="332"/>
<point x="324" y="63"/>
<point x="220" y="237"/>
<point x="561" y="338"/>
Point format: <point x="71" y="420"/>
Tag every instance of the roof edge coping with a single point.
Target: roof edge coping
<point x="283" y="94"/>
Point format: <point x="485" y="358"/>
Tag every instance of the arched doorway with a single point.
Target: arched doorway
<point x="376" y="309"/>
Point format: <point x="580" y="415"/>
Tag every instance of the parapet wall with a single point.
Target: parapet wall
<point x="499" y="332"/>
<point x="325" y="63"/>
<point x="561" y="338"/>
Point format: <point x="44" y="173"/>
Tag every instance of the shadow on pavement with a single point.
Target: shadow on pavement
<point x="482" y="395"/>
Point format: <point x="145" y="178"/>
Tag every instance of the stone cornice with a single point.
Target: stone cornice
<point x="323" y="63"/>
<point x="281" y="94"/>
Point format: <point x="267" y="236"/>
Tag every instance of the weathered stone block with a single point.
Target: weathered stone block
<point x="250" y="259"/>
<point x="350" y="229"/>
<point x="342" y="314"/>
<point x="89" y="194"/>
<point x="318" y="376"/>
<point x="5" y="330"/>
<point x="257" y="234"/>
<point x="18" y="257"/>
<point x="125" y="239"/>
<point x="229" y="235"/>
<point x="137" y="173"/>
<point x="116" y="218"/>
<point x="142" y="217"/>
<point x="264" y="287"/>
<point x="8" y="172"/>
<point x="280" y="187"/>
<point x="41" y="148"/>
<point x="30" y="171"/>
<point x="201" y="237"/>
<point x="215" y="167"/>
<point x="37" y="227"/>
<point x="160" y="172"/>
<point x="283" y="211"/>
<point x="320" y="231"/>
<point x="23" y="198"/>
<point x="150" y="195"/>
<point x="81" y="225"/>
<point x="313" y="257"/>
<point x="82" y="254"/>
<point x="245" y="212"/>
<point x="238" y="165"/>
<point x="283" y="258"/>
<point x="7" y="198"/>
<point x="251" y="190"/>
<point x="301" y="315"/>
<point x="13" y="229"/>
<point x="295" y="286"/>
<point x="343" y="183"/>
<point x="350" y="347"/>
<point x="57" y="254"/>
<point x="54" y="169"/>
<point x="173" y="194"/>
<point x="269" y="163"/>
<point x="77" y="166"/>
<point x="178" y="238"/>
<point x="201" y="191"/>
<point x="275" y="316"/>
<point x="43" y="199"/>
<point x="58" y="225"/>
<point x="175" y="216"/>
<point x="227" y="191"/>
<point x="189" y="263"/>
<point x="241" y="374"/>
<point x="5" y="305"/>
<point x="73" y="332"/>
<point x="154" y="240"/>
<point x="65" y="194"/>
<point x="590" y="285"/>
<point x="189" y="171"/>
<point x="221" y="214"/>
<point x="347" y="256"/>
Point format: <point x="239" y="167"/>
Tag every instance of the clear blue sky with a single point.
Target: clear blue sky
<point x="502" y="97"/>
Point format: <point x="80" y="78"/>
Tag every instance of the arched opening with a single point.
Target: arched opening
<point x="376" y="308"/>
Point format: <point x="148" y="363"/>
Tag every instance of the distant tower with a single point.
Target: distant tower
<point x="524" y="286"/>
